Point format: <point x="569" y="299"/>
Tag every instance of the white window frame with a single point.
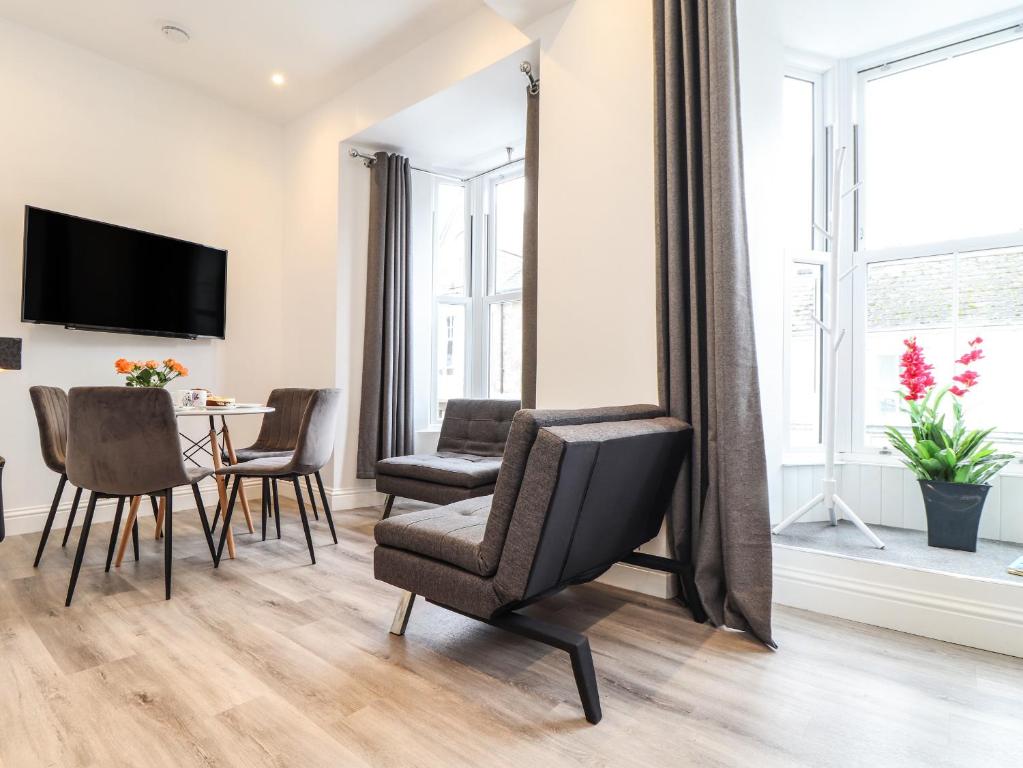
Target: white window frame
<point x="922" y="53"/>
<point x="817" y="254"/>
<point x="480" y="244"/>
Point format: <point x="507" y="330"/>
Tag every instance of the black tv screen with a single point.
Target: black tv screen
<point x="86" y="274"/>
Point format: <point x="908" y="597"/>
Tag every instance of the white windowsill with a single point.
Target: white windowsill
<point x="816" y="458"/>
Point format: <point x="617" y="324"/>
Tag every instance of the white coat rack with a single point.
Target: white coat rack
<point x="829" y="487"/>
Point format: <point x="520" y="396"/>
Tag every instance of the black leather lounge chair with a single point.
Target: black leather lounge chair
<point x="578" y="492"/>
<point x="467" y="460"/>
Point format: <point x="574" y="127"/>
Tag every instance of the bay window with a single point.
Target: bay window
<point x="477" y="288"/>
<point x="937" y="240"/>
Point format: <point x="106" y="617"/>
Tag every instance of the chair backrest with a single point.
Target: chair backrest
<point x="316" y="433"/>
<point x="525" y="427"/>
<point x="479" y="427"/>
<point x="50" y="404"/>
<point x="123" y="441"/>
<point x="279" y="430"/>
<point x="592" y="494"/>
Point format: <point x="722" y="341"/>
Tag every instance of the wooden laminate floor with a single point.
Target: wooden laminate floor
<point x="273" y="662"/>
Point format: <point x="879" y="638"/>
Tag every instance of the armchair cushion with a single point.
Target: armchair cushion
<point x="452" y="533"/>
<point x="458" y="469"/>
<point x="478" y="427"/>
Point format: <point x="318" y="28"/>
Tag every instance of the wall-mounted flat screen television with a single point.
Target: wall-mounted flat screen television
<point x="86" y="274"/>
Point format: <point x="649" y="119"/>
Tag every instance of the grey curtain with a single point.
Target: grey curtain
<point x="385" y="417"/>
<point x="529" y="247"/>
<point x="707" y="361"/>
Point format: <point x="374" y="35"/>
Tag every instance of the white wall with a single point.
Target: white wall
<point x="84" y="135"/>
<point x="596" y="310"/>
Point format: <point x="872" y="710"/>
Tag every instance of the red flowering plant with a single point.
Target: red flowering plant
<point x="935" y="452"/>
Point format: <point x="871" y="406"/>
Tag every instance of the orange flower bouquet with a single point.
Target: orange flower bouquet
<point x="150" y="373"/>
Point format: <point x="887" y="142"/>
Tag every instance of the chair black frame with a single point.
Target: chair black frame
<point x="270" y="486"/>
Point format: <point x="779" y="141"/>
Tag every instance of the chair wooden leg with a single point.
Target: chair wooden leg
<point x="168" y="540"/>
<point x="49" y="520"/>
<point x="161" y="513"/>
<point x="402" y="613"/>
<point x="312" y="497"/>
<point x="226" y="527"/>
<point x="305" y="519"/>
<point x="114" y="531"/>
<point x="131" y="529"/>
<point x="80" y="555"/>
<point x="387" y="506"/>
<point x="326" y="506"/>
<point x="71" y="517"/>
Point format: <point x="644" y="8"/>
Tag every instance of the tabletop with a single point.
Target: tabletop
<point x="242" y="409"/>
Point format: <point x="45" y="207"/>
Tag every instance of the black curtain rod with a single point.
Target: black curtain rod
<point x="368" y="160"/>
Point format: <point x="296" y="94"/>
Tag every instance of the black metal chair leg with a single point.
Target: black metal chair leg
<point x="71" y="516"/>
<point x="577" y="647"/>
<point x="135" y="538"/>
<point x="227" y="522"/>
<point x="305" y="519"/>
<point x="277" y="506"/>
<point x="312" y="497"/>
<point x="204" y="520"/>
<point x="113" y="532"/>
<point x="387" y="506"/>
<point x="168" y="539"/>
<point x="49" y="520"/>
<point x="266" y="503"/>
<point x="80" y="555"/>
<point x="326" y="506"/>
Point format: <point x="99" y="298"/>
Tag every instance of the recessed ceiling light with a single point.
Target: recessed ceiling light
<point x="175" y="34"/>
<point x="277" y="79"/>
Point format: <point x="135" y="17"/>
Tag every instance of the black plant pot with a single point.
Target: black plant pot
<point x="953" y="513"/>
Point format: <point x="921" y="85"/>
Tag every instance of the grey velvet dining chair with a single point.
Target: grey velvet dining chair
<point x="278" y="436"/>
<point x="51" y="408"/>
<point x="124" y="442"/>
<point x="313" y="447"/>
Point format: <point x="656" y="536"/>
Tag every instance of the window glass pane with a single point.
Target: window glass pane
<point x="450" y="350"/>
<point x="908" y="297"/>
<point x="941" y="149"/>
<point x="449" y="270"/>
<point x="991" y="306"/>
<point x="805" y="355"/>
<point x="508" y="210"/>
<point x="506" y="349"/>
<point x="798" y="146"/>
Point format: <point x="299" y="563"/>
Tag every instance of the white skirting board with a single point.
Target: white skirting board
<point x="975" y="612"/>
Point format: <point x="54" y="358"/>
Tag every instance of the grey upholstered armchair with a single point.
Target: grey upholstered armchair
<point x="467" y="460"/>
<point x="578" y="492"/>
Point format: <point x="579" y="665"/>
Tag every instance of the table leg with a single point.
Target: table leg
<point x="221" y="485"/>
<point x="128" y="528"/>
<point x="159" y="517"/>
<point x="234" y="460"/>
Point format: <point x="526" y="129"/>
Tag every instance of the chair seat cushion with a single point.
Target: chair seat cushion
<point x="464" y="470"/>
<point x="195" y="474"/>
<point x="251" y="454"/>
<point x="451" y="534"/>
<point x="258" y="467"/>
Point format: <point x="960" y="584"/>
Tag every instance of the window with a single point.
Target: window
<point x="940" y="243"/>
<point x="802" y="187"/>
<point x="936" y="233"/>
<point x="477" y="287"/>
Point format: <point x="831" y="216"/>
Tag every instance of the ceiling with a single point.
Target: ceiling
<point x="464" y="129"/>
<point x="320" y="46"/>
<point x="846" y="28"/>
